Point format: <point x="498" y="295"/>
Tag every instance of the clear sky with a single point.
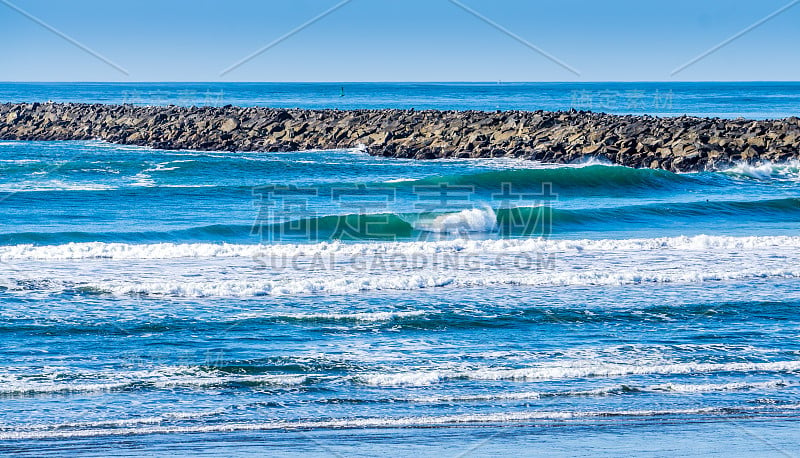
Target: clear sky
<point x="399" y="40"/>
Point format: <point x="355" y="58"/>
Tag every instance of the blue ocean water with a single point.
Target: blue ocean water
<point x="724" y="100"/>
<point x="333" y="303"/>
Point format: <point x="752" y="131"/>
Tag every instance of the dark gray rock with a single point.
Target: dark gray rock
<point x="677" y="144"/>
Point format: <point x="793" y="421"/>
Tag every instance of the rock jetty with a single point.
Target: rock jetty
<point x="675" y="144"/>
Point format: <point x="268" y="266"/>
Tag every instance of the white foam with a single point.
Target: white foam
<point x="207" y="269"/>
<point x="143" y="180"/>
<point x="53" y="185"/>
<point x="572" y="371"/>
<point x="166" y="166"/>
<point x="513" y="163"/>
<point x="128" y="422"/>
<point x="247" y="288"/>
<point x="61" y="381"/>
<point x="465" y="221"/>
<point x="100" y="250"/>
<point x="97" y="143"/>
<point x="715" y="387"/>
<point x="58" y="431"/>
<point x="160" y="168"/>
<point x="606" y="391"/>
<point x="359" y="316"/>
<point x="786" y="171"/>
<point x="216" y="286"/>
<point x="380" y="282"/>
<point x="18" y="161"/>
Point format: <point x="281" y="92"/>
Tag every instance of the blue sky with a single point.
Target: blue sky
<point x="394" y="40"/>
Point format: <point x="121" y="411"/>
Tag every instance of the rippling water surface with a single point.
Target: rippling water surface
<point x="188" y="302"/>
<point x="724" y="100"/>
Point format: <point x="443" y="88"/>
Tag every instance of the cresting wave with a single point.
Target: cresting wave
<point x="566" y="177"/>
<point x="536" y="221"/>
<point x="782" y="171"/>
<point x="574" y="178"/>
<point x="541" y="219"/>
<point x="530" y="176"/>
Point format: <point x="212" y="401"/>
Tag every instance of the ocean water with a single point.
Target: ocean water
<point x="332" y="303"/>
<point x="724" y="100"/>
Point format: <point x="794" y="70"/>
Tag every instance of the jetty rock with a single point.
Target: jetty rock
<point x="677" y="144"/>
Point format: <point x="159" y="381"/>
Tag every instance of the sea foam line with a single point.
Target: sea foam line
<point x="685" y="388"/>
<point x="400" y="282"/>
<point x="196" y="377"/>
<point x="124" y="251"/>
<point x="576" y="371"/>
<point x="361" y="282"/>
<point x="57" y="431"/>
<point x="164" y="378"/>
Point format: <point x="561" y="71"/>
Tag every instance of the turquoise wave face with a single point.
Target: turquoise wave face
<point x="140" y="195"/>
<point x="589" y="178"/>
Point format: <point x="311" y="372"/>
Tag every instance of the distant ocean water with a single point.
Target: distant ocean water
<point x="724" y="100"/>
<point x="329" y="302"/>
